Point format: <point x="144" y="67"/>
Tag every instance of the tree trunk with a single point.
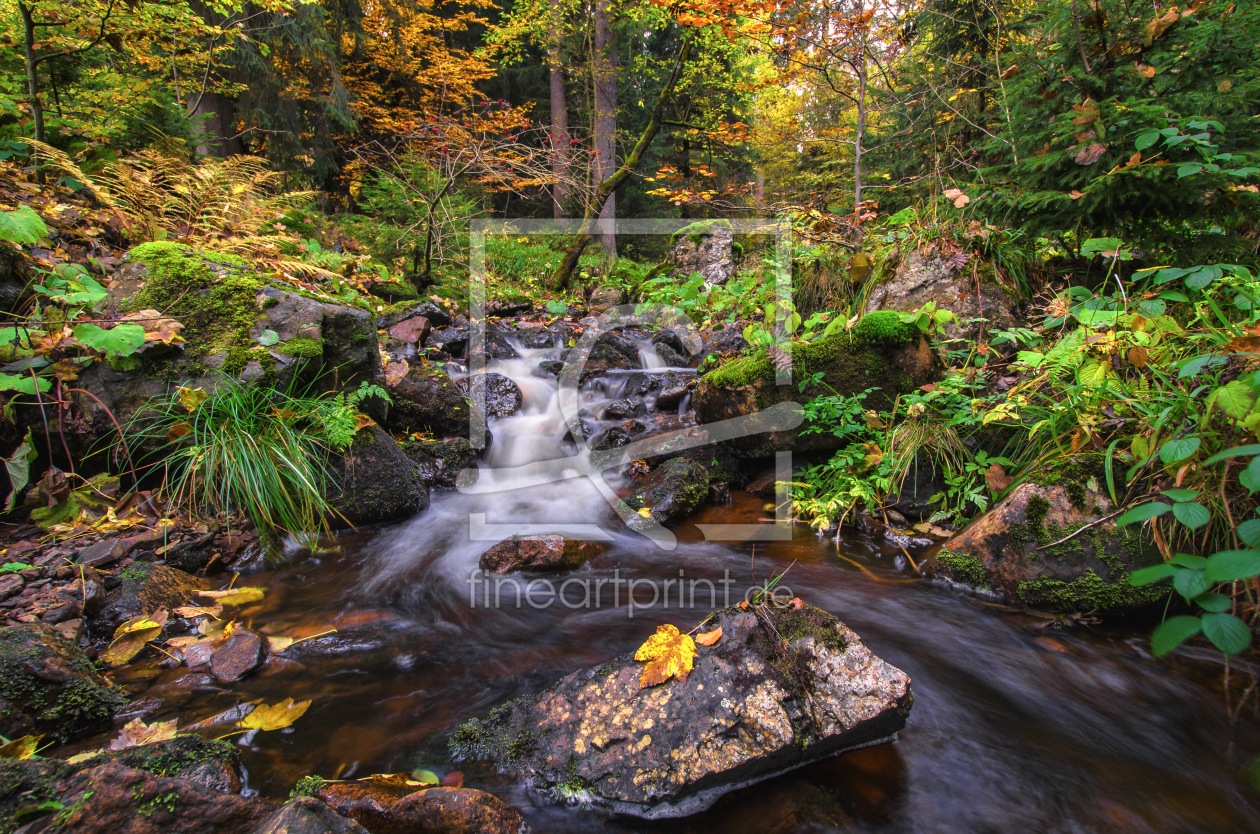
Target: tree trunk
<point x="559" y="115"/>
<point x="605" y="75"/>
<point x="213" y="125"/>
<point x="560" y="278"/>
<point x="32" y="71"/>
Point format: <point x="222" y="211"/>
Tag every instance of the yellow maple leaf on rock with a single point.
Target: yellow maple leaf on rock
<point x="669" y="654"/>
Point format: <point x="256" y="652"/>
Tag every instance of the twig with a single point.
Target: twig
<point x="40" y="400"/>
<point x="1083" y="529"/>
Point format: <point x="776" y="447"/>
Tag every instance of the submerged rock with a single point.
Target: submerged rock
<point x="238" y="656"/>
<point x="388" y="809"/>
<point x="375" y="482"/>
<point x="1013" y="549"/>
<point x="49" y="687"/>
<point x="758" y="703"/>
<point x="305" y="815"/>
<point x="539" y="553"/>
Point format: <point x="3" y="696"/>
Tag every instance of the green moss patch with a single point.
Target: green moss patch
<point x="885" y="327"/>
<point x="964" y="567"/>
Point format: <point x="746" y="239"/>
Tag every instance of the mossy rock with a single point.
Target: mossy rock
<point x="145" y="588"/>
<point x="373" y="481"/>
<point x="427" y="400"/>
<point x="890" y="359"/>
<point x="440" y="462"/>
<point x="671" y="492"/>
<point x="49" y="687"/>
<point x="1015" y="550"/>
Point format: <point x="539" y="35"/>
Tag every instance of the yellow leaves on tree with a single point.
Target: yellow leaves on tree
<point x="669" y="654"/>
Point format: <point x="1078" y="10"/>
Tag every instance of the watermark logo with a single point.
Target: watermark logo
<point x="590" y="463"/>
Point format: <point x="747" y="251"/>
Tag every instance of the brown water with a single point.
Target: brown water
<point x="1015" y="727"/>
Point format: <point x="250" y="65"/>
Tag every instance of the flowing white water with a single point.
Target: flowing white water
<point x="523" y="484"/>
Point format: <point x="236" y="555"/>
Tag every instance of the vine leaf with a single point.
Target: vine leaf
<point x="669" y="654"/>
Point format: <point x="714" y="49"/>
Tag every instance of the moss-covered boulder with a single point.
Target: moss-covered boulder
<point x="48" y="687"/>
<point x="440" y="463"/>
<point x="914" y="278"/>
<point x="780" y="689"/>
<point x="881" y="352"/>
<point x="1016" y="548"/>
<point x="373" y="481"/>
<point x="670" y="492"/>
<point x="426" y="400"/>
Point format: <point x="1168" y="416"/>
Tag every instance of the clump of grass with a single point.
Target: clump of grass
<point x="250" y="448"/>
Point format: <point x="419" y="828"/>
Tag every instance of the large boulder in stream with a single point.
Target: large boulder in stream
<point x="880" y="352"/>
<point x="503" y="396"/>
<point x="1018" y="548"/>
<point x="670" y="492"/>
<point x="426" y="400"/>
<point x="780" y="689"/>
<point x="440" y="463"/>
<point x="374" y="482"/>
<point x="49" y="687"/>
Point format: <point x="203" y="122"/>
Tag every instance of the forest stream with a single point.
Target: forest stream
<point x="1017" y="725"/>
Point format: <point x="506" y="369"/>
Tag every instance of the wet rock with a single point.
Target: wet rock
<point x="1013" y="549"/>
<point x="210" y="763"/>
<point x="604" y="358"/>
<point x="10" y="585"/>
<point x="453" y="341"/>
<point x="892" y="359"/>
<point x="496" y="346"/>
<point x="238" y="656"/>
<point x="624" y="408"/>
<point x="671" y="492"/>
<point x="385" y="809"/>
<point x="725" y="342"/>
<point x="436" y="315"/>
<point x="706" y="247"/>
<point x="145" y="588"/>
<point x="604" y="298"/>
<point x="758" y="703"/>
<point x="110" y="550"/>
<point x="48" y="686"/>
<point x="670" y="337"/>
<point x="612" y="437"/>
<point x="536" y="338"/>
<point x="63" y="612"/>
<point x="539" y="553"/>
<point x="503" y="396"/>
<point x="923" y="483"/>
<point x="328" y="335"/>
<point x="674" y="387"/>
<point x="439" y="463"/>
<point x="639" y="384"/>
<point x="622" y="344"/>
<point x="551" y="367"/>
<point x="305" y="815"/>
<point x="671" y="357"/>
<point x="426" y="400"/>
<point x="373" y="481"/>
<point x="920" y="278"/>
<point x="504" y="307"/>
<point x="71" y="630"/>
<point x="87" y="593"/>
<point x="412" y="331"/>
<point x="115" y="799"/>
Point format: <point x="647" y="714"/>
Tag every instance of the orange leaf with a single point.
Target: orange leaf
<point x="711" y="637"/>
<point x="669" y="654"/>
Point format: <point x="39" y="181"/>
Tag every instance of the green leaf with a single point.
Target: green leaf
<point x="19" y="466"/>
<point x="121" y="340"/>
<point x="1173" y="632"/>
<point x="557" y="308"/>
<point x="1193" y="516"/>
<point x="1093" y="246"/>
<point x="1249" y="532"/>
<point x="1145" y="576"/>
<point x="1250" y="478"/>
<point x="1228" y="633"/>
<point x="1178" y="450"/>
<point x="1189" y="170"/>
<point x="1229" y="565"/>
<point x="22" y="227"/>
<point x="1213" y="602"/>
<point x="1143" y="512"/>
<point x="23" y="384"/>
<point x="1236" y="399"/>
<point x="268" y="338"/>
<point x="1182" y="494"/>
<point x="1203" y="276"/>
<point x="1188" y="560"/>
<point x="1191" y="583"/>
<point x="1146" y="139"/>
<point x="1236" y="452"/>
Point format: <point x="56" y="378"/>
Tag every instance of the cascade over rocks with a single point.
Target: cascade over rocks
<point x="756" y="704"/>
<point x="1013" y="550"/>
